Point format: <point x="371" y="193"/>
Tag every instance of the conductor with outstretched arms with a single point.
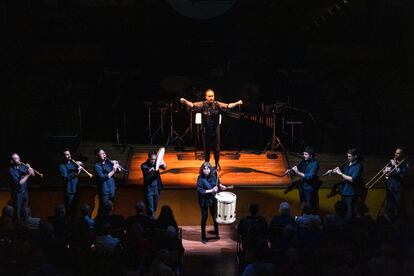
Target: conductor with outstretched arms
<point x="210" y="110"/>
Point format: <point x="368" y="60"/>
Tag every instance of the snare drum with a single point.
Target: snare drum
<point x="226" y="207"/>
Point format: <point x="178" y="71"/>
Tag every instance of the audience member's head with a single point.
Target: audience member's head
<point x="140" y="207"/>
<point x="85" y="210"/>
<point x="166" y="213"/>
<point x="27" y="213"/>
<point x="7" y="211"/>
<point x="284" y="209"/>
<point x="253" y="209"/>
<point x="109" y="207"/>
<point x="60" y="211"/>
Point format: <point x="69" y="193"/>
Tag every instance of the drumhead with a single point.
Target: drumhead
<point x="226" y="197"/>
<point x="160" y="158"/>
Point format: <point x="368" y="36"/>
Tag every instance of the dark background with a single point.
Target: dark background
<point x="70" y="68"/>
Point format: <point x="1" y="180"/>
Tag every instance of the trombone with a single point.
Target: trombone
<point x="82" y="168"/>
<point x="28" y="166"/>
<point x="374" y="180"/>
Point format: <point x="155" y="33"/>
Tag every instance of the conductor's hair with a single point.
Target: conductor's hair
<point x="310" y="150"/>
<point x="353" y="152"/>
<point x="209" y="90"/>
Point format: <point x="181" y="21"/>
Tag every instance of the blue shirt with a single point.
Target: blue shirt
<point x="17" y="173"/>
<point x="310" y="170"/>
<point x="203" y="184"/>
<point x="69" y="173"/>
<point x="354" y="170"/>
<point x="396" y="179"/>
<point x="106" y="184"/>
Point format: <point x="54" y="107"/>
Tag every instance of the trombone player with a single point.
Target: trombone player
<point x="351" y="186"/>
<point x="69" y="171"/>
<point x="396" y="173"/>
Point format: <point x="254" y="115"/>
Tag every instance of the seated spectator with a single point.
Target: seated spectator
<point x="28" y="221"/>
<point x="307" y="219"/>
<point x="145" y="221"/>
<point x="115" y="221"/>
<point x="259" y="266"/>
<point x="337" y="219"/>
<point x="166" y="218"/>
<point x="59" y="220"/>
<point x="82" y="235"/>
<point x="7" y="225"/>
<point x="104" y="240"/>
<point x="85" y="212"/>
<point x="253" y="228"/>
<point x="138" y="249"/>
<point x="293" y="266"/>
<point x="362" y="218"/>
<point x="160" y="264"/>
<point x="284" y="216"/>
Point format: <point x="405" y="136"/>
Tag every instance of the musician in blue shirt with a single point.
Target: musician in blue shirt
<point x="309" y="184"/>
<point x="352" y="182"/>
<point x="19" y="174"/>
<point x="208" y="185"/>
<point x="104" y="172"/>
<point x="210" y="110"/>
<point x="69" y="171"/>
<point x="396" y="172"/>
<point x="152" y="182"/>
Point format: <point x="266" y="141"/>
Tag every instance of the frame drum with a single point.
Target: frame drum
<point x="160" y="158"/>
<point x="226" y="207"/>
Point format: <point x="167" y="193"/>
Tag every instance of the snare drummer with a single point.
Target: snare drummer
<point x="207" y="186"/>
<point x="152" y="182"/>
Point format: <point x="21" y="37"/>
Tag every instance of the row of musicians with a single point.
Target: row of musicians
<point x="352" y="187"/>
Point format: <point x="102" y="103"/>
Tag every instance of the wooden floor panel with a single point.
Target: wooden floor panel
<point x="249" y="170"/>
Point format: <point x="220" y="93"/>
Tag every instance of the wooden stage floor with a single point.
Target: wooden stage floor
<point x="243" y="169"/>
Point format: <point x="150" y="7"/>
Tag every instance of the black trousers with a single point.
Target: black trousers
<point x="20" y="201"/>
<point x="394" y="203"/>
<point x="204" y="215"/>
<point x="211" y="143"/>
<point x="71" y="204"/>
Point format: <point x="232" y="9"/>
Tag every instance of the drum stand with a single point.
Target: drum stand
<point x="160" y="130"/>
<point x="148" y="130"/>
<point x="271" y="144"/>
<point x="174" y="134"/>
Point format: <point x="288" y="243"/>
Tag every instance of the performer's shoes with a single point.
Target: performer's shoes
<point x="204" y="240"/>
